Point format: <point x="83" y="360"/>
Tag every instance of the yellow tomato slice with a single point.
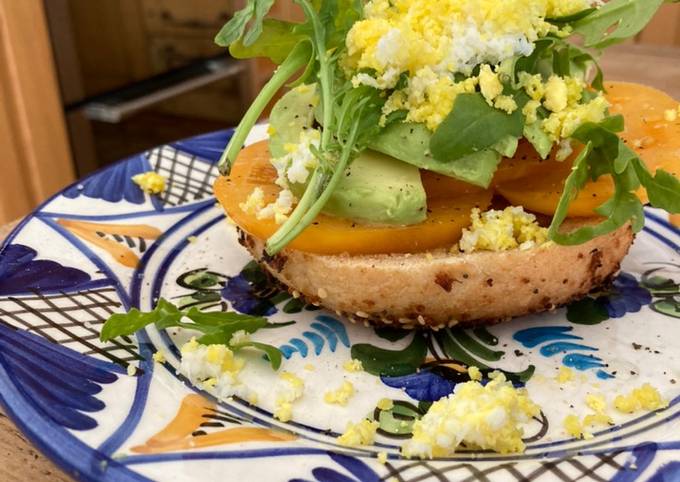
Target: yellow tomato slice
<point x="537" y="185"/>
<point x="449" y="206"/>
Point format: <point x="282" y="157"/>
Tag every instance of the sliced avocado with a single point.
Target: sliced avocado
<point x="377" y="189"/>
<point x="507" y="146"/>
<point x="539" y="139"/>
<point x="380" y="189"/>
<point x="290" y="115"/>
<point x="410" y="143"/>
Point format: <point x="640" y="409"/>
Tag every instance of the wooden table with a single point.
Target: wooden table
<point x="655" y="66"/>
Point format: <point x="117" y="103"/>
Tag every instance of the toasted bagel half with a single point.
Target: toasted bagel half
<point x="440" y="289"/>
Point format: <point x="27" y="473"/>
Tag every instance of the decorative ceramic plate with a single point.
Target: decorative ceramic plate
<point x="102" y="246"/>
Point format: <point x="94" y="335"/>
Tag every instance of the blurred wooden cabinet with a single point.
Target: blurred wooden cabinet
<point x="102" y="46"/>
<point x="35" y="158"/>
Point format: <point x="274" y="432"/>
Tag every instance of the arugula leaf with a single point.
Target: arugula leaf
<point x="217" y="327"/>
<point x="275" y="42"/>
<point x="570" y="18"/>
<point x="531" y="63"/>
<point x="349" y="118"/>
<point x="120" y="324"/>
<point x="618" y="210"/>
<point x="581" y="62"/>
<point x="601" y="138"/>
<point x="472" y="126"/>
<point x="225" y="318"/>
<point x="298" y="58"/>
<point x="262" y="7"/>
<point x="572" y="185"/>
<point x="606" y="154"/>
<point x="663" y="188"/>
<point x="615" y="21"/>
<point x="562" y="61"/>
<point x="625" y="157"/>
<point x="273" y="353"/>
<point x="235" y="28"/>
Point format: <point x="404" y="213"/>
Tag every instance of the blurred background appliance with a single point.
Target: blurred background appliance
<point x="134" y="74"/>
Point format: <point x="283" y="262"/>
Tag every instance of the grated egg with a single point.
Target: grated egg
<point x="159" y="357"/>
<point x="358" y="434"/>
<point x="475" y="373"/>
<point x="430" y="41"/>
<point x="502" y="230"/>
<point x="565" y="374"/>
<point x="353" y="365"/>
<point x="150" y="182"/>
<point x="484" y="416"/>
<point x="215" y="368"/>
<point x="289" y="390"/>
<point x="341" y="395"/>
<point x="646" y="397"/>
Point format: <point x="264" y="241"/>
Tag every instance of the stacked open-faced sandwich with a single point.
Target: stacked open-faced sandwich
<point x="436" y="163"/>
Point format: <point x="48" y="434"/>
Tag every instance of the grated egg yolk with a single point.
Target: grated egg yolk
<point x="565" y="375"/>
<point x="290" y="389"/>
<point x="484" y="416"/>
<point x="475" y="373"/>
<point x="429" y="41"/>
<point x="341" y="395"/>
<point x="215" y="368"/>
<point x="159" y="357"/>
<point x="208" y="361"/>
<point x="385" y="404"/>
<point x="362" y="433"/>
<point x="353" y="365"/>
<point x="150" y="182"/>
<point x="578" y="428"/>
<point x="596" y="402"/>
<point x="502" y="230"/>
<point x="646" y="397"/>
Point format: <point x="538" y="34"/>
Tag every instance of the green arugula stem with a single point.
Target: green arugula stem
<point x="308" y="198"/>
<point x="297" y="59"/>
<point x="572" y="185"/>
<point x="320" y="177"/>
<point x="276" y="244"/>
<point x="325" y="70"/>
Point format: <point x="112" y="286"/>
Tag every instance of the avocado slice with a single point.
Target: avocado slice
<point x="375" y="188"/>
<point x="290" y="115"/>
<point x="379" y="189"/>
<point x="410" y="142"/>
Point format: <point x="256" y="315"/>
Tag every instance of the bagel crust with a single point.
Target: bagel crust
<point x="440" y="289"/>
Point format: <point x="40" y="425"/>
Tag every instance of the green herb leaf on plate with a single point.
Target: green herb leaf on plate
<point x="121" y="324"/>
<point x="273" y="353"/>
<point x="218" y="327"/>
